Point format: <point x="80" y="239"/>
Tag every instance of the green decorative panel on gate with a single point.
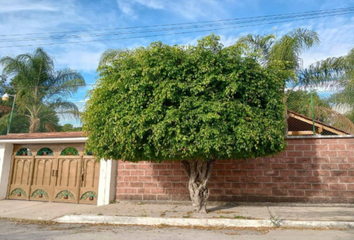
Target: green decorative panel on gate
<point x="24" y="152"/>
<point x="45" y="151"/>
<point x="40" y="193"/>
<point x="69" y="151"/>
<point x="90" y="195"/>
<point x="18" y="192"/>
<point x="65" y="194"/>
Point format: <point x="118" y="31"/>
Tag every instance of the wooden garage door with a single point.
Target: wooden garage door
<point x="58" y="173"/>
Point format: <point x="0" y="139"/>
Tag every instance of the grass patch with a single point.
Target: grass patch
<point x="241" y="217"/>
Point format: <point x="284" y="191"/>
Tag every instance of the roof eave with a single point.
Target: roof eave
<point x="45" y="140"/>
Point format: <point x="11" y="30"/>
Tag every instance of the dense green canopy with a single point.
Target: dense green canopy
<point x="185" y="102"/>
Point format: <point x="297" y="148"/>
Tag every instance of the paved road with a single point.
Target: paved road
<point x="25" y="231"/>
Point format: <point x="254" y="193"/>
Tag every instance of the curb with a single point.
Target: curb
<point x="316" y="224"/>
<point x="149" y="221"/>
<point x="188" y="222"/>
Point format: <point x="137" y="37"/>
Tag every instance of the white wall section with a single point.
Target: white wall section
<point x="5" y="165"/>
<point x="107" y="182"/>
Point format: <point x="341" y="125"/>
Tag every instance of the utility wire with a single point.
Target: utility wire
<point x="166" y="34"/>
<point x="264" y="19"/>
<point x="180" y="24"/>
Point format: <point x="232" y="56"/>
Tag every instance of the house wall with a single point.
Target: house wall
<point x="315" y="170"/>
<point x="5" y="165"/>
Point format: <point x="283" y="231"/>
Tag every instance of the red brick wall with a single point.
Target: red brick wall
<point x="310" y="170"/>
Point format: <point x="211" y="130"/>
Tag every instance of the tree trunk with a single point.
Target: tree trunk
<point x="34" y="125"/>
<point x="198" y="172"/>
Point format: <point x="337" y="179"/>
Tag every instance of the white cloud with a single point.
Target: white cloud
<point x="184" y="8"/>
<point x="23" y="5"/>
<point x="335" y="41"/>
<point x="34" y="7"/>
<point x="155" y="4"/>
<point x="80" y="58"/>
<point x="126" y="7"/>
<point x="67" y="16"/>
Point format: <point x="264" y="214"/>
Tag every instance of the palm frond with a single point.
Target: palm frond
<point x="258" y="44"/>
<point x="290" y="46"/>
<point x="40" y="89"/>
<point x="65" y="109"/>
<point x="108" y="56"/>
<point x="334" y="119"/>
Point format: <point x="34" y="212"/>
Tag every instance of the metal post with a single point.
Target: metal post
<point x="313" y="114"/>
<point x="12" y="111"/>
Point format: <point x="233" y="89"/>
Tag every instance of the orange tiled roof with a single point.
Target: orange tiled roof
<point x="42" y="135"/>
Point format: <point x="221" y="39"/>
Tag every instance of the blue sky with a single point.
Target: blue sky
<point x="43" y="16"/>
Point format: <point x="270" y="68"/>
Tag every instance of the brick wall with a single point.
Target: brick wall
<point x="310" y="170"/>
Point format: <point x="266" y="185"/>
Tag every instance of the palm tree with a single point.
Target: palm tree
<point x="287" y="50"/>
<point x="109" y="55"/>
<point x="40" y="89"/>
<point x="300" y="101"/>
<point x="336" y="73"/>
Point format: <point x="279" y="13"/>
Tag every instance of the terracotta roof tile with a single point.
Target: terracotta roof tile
<point x="42" y="135"/>
<point x="4" y="109"/>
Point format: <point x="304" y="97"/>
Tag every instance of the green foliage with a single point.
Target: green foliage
<point x="69" y="128"/>
<point x="300" y="102"/>
<point x="289" y="47"/>
<point x="185" y="102"/>
<point x="343" y="71"/>
<point x="350" y="115"/>
<point x="20" y="123"/>
<point x="269" y="50"/>
<point x="337" y="74"/>
<point x="41" y="91"/>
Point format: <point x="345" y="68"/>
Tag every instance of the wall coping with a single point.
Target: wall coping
<point x="49" y="137"/>
<point x="78" y="137"/>
<point x="319" y="137"/>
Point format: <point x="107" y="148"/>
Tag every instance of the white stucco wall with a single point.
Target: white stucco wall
<point x="107" y="182"/>
<point x="5" y="165"/>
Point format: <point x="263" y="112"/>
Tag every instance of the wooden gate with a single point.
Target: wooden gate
<point x="58" y="173"/>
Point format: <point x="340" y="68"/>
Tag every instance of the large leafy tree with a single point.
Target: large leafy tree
<point x="195" y="104"/>
<point x="41" y="91"/>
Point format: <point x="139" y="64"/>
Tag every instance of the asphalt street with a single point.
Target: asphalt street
<point x="19" y="230"/>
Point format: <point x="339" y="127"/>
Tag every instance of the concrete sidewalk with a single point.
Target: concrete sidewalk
<point x="181" y="214"/>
